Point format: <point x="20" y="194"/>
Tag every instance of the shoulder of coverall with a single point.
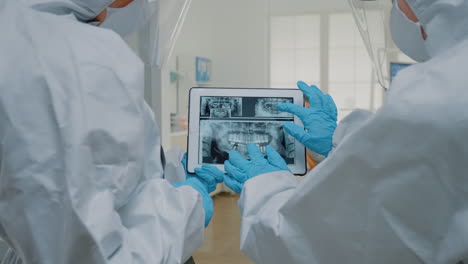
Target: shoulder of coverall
<point x="444" y="22"/>
<point x="84" y="10"/>
<point x="79" y="35"/>
<point x="100" y="49"/>
<point x="434" y="95"/>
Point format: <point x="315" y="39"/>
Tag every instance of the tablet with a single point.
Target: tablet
<point x="225" y="119"/>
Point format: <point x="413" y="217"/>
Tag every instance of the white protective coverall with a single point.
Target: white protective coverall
<point x="395" y="188"/>
<point x="80" y="160"/>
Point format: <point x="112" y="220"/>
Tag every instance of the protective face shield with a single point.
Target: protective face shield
<point x="154" y="24"/>
<point x="127" y="20"/>
<point x="407" y="35"/>
<point x="372" y="18"/>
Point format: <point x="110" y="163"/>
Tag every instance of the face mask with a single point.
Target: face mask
<point x="407" y="35"/>
<point x="127" y="20"/>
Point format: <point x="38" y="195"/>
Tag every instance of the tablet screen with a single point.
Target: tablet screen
<point x="231" y="123"/>
<point x="225" y="119"/>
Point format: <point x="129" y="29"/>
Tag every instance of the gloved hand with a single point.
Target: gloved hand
<point x="204" y="180"/>
<point x="240" y="170"/>
<point x="210" y="176"/>
<point x="319" y="120"/>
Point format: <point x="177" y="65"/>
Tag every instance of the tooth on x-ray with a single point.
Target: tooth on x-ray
<point x="221" y="107"/>
<point x="220" y="137"/>
<point x="232" y="123"/>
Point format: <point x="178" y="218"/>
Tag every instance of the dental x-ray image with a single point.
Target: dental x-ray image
<point x="266" y="107"/>
<point x="221" y="107"/>
<point x="217" y="138"/>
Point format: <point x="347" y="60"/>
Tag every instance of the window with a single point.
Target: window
<point x="295" y="50"/>
<point x="296" y="55"/>
<point x="350" y="69"/>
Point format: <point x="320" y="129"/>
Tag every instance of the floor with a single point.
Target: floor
<point x="222" y="237"/>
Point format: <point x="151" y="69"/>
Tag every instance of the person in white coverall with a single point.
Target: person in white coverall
<point x="81" y="170"/>
<point x="394" y="188"/>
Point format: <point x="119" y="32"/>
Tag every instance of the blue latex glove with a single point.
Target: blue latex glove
<point x="204" y="180"/>
<point x="210" y="176"/>
<point x="239" y="170"/>
<point x="319" y="120"/>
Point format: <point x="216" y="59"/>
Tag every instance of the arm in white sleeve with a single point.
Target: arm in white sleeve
<point x="55" y="214"/>
<point x="381" y="197"/>
<point x="59" y="206"/>
<point x="161" y="224"/>
<point x="75" y="184"/>
<point x="350" y="123"/>
<point x="260" y="204"/>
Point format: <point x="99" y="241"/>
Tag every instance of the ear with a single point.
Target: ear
<point x="406" y="9"/>
<point x="423" y="32"/>
<point x="120" y="3"/>
<point x="101" y="17"/>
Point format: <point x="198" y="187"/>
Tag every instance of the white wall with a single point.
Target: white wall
<point x="234" y="35"/>
<point x="343" y="65"/>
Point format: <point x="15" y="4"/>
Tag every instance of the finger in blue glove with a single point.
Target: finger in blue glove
<point x="184" y="162"/>
<point x="297" y="110"/>
<point x="236" y="159"/>
<point x="321" y="145"/>
<point x="330" y="106"/>
<point x="254" y="153"/>
<point x="275" y="158"/>
<point x="296" y="131"/>
<point x="240" y="170"/>
<point x="313" y="93"/>
<point x="233" y="184"/>
<point x="319" y="120"/>
<point x="210" y="176"/>
<point x="234" y="172"/>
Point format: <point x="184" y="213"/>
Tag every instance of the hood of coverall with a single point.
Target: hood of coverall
<point x="84" y="10"/>
<point x="445" y="22"/>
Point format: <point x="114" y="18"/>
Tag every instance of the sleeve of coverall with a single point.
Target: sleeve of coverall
<point x="170" y="227"/>
<point x="277" y="189"/>
<point x="367" y="203"/>
<point x="54" y="214"/>
<point x="71" y="162"/>
<point x="57" y="214"/>
<point x="161" y="229"/>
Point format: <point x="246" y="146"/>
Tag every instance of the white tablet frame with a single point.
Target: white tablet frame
<point x="300" y="166"/>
